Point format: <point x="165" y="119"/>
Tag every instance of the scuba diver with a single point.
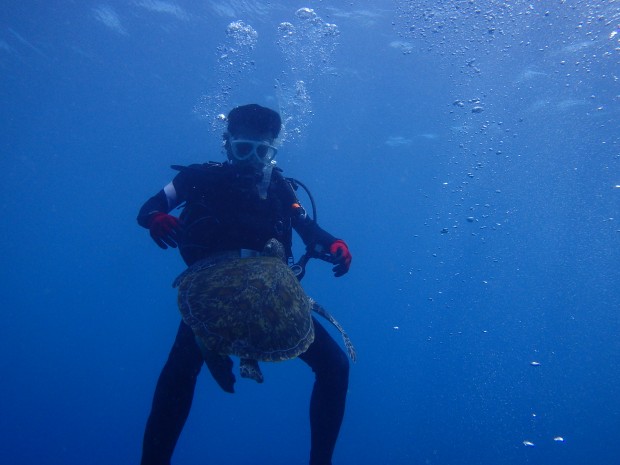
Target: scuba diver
<point x="235" y="206"/>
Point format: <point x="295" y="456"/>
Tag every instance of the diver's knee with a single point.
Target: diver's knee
<point x="337" y="367"/>
<point x="342" y="363"/>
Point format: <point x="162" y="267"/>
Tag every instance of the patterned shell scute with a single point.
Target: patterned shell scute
<point x="253" y="308"/>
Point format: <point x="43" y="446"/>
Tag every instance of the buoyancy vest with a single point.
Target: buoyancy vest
<point x="222" y="210"/>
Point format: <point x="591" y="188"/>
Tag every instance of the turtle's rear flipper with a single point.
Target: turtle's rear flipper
<point x="249" y="369"/>
<point x="345" y="337"/>
<point x="220" y="367"/>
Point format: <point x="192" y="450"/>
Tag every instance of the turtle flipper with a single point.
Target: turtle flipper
<point x="249" y="369"/>
<point x="345" y="337"/>
<point x="220" y="366"/>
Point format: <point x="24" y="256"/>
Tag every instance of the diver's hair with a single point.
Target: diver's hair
<point x="255" y="118"/>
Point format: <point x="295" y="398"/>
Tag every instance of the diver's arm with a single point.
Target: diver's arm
<point x="321" y="244"/>
<point x="162" y="202"/>
<point x="314" y="237"/>
<point x="164" y="229"/>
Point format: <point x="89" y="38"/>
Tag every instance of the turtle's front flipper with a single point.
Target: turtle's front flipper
<point x="220" y="366"/>
<point x="345" y="337"/>
<point x="249" y="369"/>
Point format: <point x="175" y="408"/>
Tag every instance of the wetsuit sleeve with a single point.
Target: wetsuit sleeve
<point x="164" y="201"/>
<point x="313" y="236"/>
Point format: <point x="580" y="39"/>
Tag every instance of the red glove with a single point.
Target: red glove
<point x="341" y="257"/>
<point x="165" y="230"/>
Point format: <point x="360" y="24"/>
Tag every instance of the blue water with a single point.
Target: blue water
<point x="483" y="239"/>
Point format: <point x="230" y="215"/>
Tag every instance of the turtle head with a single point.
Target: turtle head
<point x="274" y="248"/>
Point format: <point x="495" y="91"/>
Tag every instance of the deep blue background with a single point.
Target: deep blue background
<point x="481" y="241"/>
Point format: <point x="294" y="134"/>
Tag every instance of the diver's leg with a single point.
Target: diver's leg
<point x="331" y="369"/>
<point x="172" y="400"/>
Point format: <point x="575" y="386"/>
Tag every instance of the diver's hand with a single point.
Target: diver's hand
<point x="340" y="256"/>
<point x="165" y="230"/>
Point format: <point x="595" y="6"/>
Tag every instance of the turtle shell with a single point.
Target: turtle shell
<point x="253" y="307"/>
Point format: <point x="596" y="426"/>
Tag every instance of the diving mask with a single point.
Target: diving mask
<point x="245" y="149"/>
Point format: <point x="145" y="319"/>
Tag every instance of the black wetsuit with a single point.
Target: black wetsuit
<point x="222" y="210"/>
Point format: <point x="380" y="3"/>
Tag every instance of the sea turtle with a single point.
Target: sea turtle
<point x="254" y="308"/>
